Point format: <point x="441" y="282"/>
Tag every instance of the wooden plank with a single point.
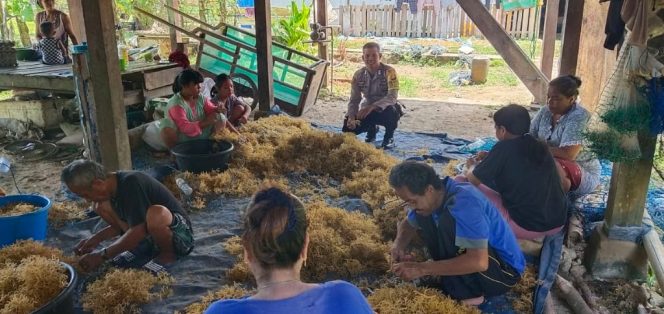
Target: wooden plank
<point x="629" y="186"/>
<point x="595" y="64"/>
<point x="58" y="84"/>
<point x="106" y="93"/>
<point x="531" y="22"/>
<point x="174" y="19"/>
<point x="264" y="55"/>
<point x="571" y="36"/>
<point x="549" y="41"/>
<point x="364" y="27"/>
<point x="518" y="61"/>
<point x="341" y="19"/>
<point x="321" y="18"/>
<point x="435" y="21"/>
<point x="77" y="24"/>
<point x="404" y="19"/>
<point x="462" y="23"/>
<point x="519" y="19"/>
<point x="160" y="78"/>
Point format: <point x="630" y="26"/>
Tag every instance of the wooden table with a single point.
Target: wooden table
<point x="147" y="80"/>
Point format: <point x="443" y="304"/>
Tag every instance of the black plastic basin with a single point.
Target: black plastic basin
<point x="203" y="155"/>
<point x="63" y="303"/>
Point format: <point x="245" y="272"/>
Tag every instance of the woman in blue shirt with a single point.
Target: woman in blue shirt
<point x="275" y="243"/>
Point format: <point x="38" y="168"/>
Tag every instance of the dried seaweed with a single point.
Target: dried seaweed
<point x="62" y="212"/>
<point x="524" y="291"/>
<point x="240" y="271"/>
<point x="30" y="284"/>
<point x="15" y="209"/>
<point x="342" y="244"/>
<point x="406" y="299"/>
<point x="450" y="168"/>
<point x="226" y="292"/>
<point x="124" y="291"/>
<point x="23" y="249"/>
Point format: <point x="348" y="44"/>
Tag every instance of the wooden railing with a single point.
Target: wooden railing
<point x="449" y="22"/>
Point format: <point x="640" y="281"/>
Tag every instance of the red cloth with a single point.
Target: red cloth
<point x="190" y="128"/>
<point x="180" y="58"/>
<point x="572" y="170"/>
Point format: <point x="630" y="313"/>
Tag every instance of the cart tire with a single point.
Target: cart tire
<point x="245" y="87"/>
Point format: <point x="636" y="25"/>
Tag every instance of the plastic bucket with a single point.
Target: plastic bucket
<point x="63" y="303"/>
<point x="26" y="226"/>
<point x="203" y="155"/>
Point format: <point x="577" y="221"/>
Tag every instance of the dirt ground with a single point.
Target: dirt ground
<point x="460" y="119"/>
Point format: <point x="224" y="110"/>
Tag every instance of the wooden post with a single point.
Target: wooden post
<point x="76" y="17"/>
<point x="105" y="92"/>
<point x="629" y="186"/>
<point x="264" y="55"/>
<point x="517" y="60"/>
<point x="549" y="41"/>
<point x="175" y="20"/>
<point x="321" y="17"/>
<point x="571" y="37"/>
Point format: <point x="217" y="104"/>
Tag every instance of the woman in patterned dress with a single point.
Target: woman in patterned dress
<point x="60" y="20"/>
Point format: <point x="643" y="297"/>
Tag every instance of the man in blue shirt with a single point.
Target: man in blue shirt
<point x="475" y="253"/>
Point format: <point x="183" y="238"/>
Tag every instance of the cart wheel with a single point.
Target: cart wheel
<point x="245" y="87"/>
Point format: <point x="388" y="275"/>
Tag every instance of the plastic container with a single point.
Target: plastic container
<point x="123" y="56"/>
<point x="31" y="225"/>
<point x="63" y="303"/>
<point x="203" y="155"/>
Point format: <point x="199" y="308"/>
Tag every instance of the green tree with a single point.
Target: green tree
<point x="294" y="30"/>
<point x="21" y="11"/>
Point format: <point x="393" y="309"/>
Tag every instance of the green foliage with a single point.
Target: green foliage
<point x="628" y="118"/>
<point x="606" y="145"/>
<point x="20" y="9"/>
<point x="294" y="30"/>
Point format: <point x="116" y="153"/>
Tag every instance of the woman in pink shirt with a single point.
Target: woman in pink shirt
<point x="189" y="114"/>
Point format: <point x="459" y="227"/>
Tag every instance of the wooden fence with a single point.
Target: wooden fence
<point x="451" y="21"/>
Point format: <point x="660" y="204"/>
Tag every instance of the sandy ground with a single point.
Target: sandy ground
<point x="458" y="119"/>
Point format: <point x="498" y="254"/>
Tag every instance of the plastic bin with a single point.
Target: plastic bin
<point x="26" y="226"/>
<point x="203" y="155"/>
<point x="63" y="303"/>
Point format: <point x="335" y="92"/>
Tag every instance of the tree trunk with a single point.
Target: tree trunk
<point x="223" y="11"/>
<point x="24" y="32"/>
<point x="202" y="10"/>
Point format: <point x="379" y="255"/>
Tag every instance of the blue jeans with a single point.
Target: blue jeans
<point x="552" y="249"/>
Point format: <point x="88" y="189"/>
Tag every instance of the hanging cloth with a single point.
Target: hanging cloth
<point x="635" y="15"/>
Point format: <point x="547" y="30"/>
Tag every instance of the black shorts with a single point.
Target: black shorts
<point x="496" y="280"/>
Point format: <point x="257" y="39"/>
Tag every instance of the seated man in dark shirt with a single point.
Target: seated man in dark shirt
<point x="136" y="207"/>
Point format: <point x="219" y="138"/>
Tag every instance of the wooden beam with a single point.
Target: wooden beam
<point x="76" y="18"/>
<point x="595" y="64"/>
<point x="174" y="19"/>
<point x="321" y="18"/>
<point x="517" y="60"/>
<point x="549" y="40"/>
<point x="629" y="186"/>
<point x="264" y="55"/>
<point x="105" y="92"/>
<point x="571" y="37"/>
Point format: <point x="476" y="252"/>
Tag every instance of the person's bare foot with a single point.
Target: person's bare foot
<point x="165" y="259"/>
<point x="473" y="301"/>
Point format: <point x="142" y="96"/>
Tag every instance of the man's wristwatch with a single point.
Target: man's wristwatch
<point x="104" y="254"/>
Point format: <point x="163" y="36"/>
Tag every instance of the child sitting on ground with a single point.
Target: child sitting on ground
<point x="52" y="49"/>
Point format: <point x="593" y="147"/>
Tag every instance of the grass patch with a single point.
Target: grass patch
<point x="408" y="87"/>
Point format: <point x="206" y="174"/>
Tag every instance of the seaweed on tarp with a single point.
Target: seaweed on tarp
<point x="235" y="291"/>
<point x="409" y="299"/>
<point x="30" y="284"/>
<point x="124" y="291"/>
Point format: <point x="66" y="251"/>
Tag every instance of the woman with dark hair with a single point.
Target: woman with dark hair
<point x="528" y="191"/>
<point x="60" y="20"/>
<point x="236" y="111"/>
<point x="189" y="115"/>
<point x="275" y="244"/>
<point x="561" y="124"/>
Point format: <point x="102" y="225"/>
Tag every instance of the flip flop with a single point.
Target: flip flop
<point x="154" y="268"/>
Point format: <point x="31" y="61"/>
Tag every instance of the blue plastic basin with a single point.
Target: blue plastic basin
<point x="26" y="226"/>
